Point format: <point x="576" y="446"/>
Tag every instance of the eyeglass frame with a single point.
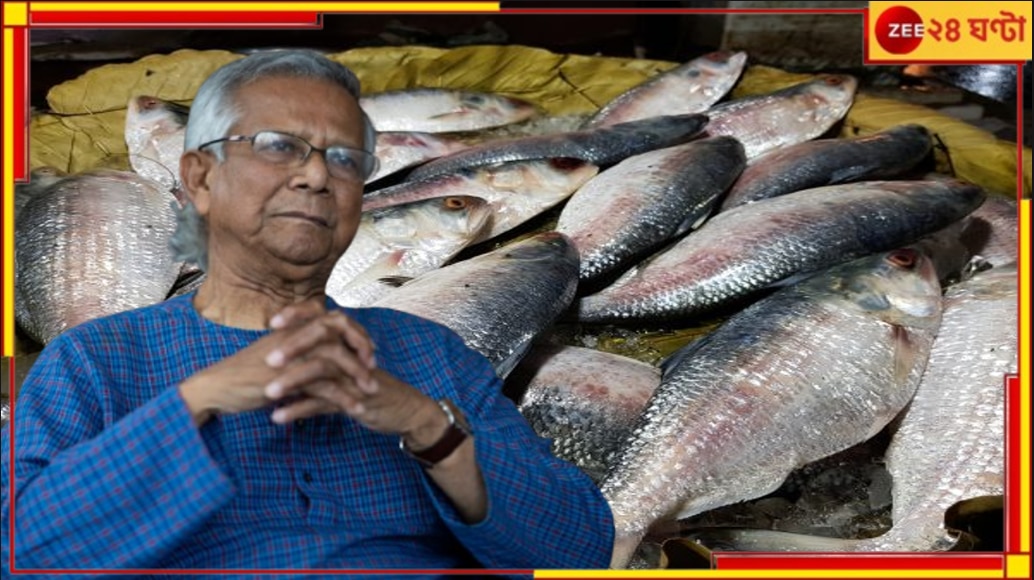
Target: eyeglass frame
<point x="301" y="161"/>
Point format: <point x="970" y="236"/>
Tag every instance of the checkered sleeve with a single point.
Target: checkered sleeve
<point x="86" y="482"/>
<point x="542" y="512"/>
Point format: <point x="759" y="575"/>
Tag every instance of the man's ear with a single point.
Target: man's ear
<point x="195" y="171"/>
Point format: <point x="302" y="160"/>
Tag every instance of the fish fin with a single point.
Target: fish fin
<point x="449" y="115"/>
<point x="676" y="358"/>
<point x="846" y="174"/>
<point x="904" y="353"/>
<point x="395" y="281"/>
<point x="693" y="222"/>
<point x="791" y="280"/>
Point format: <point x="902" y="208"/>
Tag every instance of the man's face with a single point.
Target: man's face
<point x="265" y="218"/>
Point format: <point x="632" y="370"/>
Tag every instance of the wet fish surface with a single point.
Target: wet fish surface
<point x="404" y="241"/>
<point x="585" y="400"/>
<point x="500" y="301"/>
<point x="442" y="110"/>
<point x="398" y="150"/>
<point x="950" y="444"/>
<point x="517" y="191"/>
<point x="643" y="201"/>
<point x="786" y="117"/>
<point x="745" y="249"/>
<point x="830" y="162"/>
<point x="154" y="137"/>
<point x="92" y="244"/>
<point x="690" y="88"/>
<point x="602" y="146"/>
<point x="806" y="372"/>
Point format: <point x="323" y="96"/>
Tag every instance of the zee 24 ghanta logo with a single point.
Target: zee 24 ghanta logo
<point x="900" y="29"/>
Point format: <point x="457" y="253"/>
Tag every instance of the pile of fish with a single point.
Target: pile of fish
<point x="820" y="261"/>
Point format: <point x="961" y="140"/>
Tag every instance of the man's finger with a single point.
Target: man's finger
<point x="298" y="313"/>
<point x="302" y="409"/>
<point x="332" y="328"/>
<point x="355" y="336"/>
<point x="334" y="364"/>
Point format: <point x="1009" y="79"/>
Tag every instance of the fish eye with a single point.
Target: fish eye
<point x="693" y="73"/>
<point x="475" y="99"/>
<point x="904" y="258"/>
<point x="454" y="203"/>
<point x="834" y="81"/>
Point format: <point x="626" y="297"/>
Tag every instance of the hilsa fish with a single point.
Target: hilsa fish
<point x="498" y="302"/>
<point x="690" y="88"/>
<point x="442" y="110"/>
<point x="746" y="249"/>
<point x="949" y="446"/>
<point x="786" y="117"/>
<point x="154" y="132"/>
<point x="806" y="372"/>
<point x="830" y="162"/>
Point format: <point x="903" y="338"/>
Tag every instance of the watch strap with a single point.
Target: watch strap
<point x="454" y="435"/>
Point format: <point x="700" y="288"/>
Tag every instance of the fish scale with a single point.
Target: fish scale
<point x="600" y="146"/>
<point x="804" y="373"/>
<point x="404" y="241"/>
<point x="829" y="162"/>
<point x="786" y="117"/>
<point x="500" y="301"/>
<point x="92" y="244"/>
<point x="640" y="203"/>
<point x="745" y="249"/>
<point x="689" y="88"/>
<point x="950" y="445"/>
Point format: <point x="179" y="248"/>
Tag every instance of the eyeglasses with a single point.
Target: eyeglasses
<point x="279" y="148"/>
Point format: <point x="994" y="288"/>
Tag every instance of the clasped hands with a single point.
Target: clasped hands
<point x="314" y="362"/>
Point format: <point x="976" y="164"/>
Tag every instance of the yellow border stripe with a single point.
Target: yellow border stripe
<point x="266" y="6"/>
<point x="875" y="574"/>
<point x="16" y="13"/>
<point x="1023" y="494"/>
<point x="1017" y="566"/>
<point x="7" y="192"/>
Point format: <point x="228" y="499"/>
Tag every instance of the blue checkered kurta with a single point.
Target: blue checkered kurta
<point x="110" y="471"/>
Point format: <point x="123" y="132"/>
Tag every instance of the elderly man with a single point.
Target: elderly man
<point x="256" y="424"/>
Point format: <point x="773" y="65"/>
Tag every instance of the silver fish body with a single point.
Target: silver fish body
<point x="645" y="200"/>
<point x="442" y="110"/>
<point x="404" y="241"/>
<point x="154" y="137"/>
<point x="516" y="191"/>
<point x="398" y="150"/>
<point x="807" y="372"/>
<point x="830" y="162"/>
<point x="690" y="88"/>
<point x="949" y="444"/>
<point x="786" y="117"/>
<point x="602" y="146"/>
<point x="741" y="251"/>
<point x="92" y="244"/>
<point x="500" y="301"/>
<point x="585" y="400"/>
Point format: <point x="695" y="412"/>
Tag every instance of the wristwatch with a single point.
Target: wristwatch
<point x="455" y="434"/>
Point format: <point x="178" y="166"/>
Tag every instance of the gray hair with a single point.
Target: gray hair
<point x="214" y="111"/>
